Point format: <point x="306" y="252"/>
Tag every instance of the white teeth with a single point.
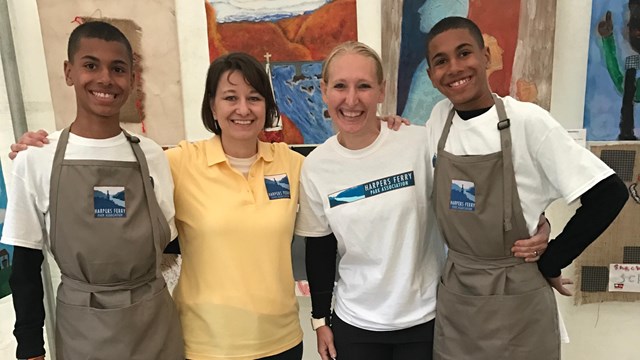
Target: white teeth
<point x="103" y="95"/>
<point x="351" y="113"/>
<point x="459" y="82"/>
<point x="242" y="122"/>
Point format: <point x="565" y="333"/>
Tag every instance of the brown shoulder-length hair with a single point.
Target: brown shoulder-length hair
<point x="255" y="75"/>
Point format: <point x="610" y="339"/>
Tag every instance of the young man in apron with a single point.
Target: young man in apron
<point x="101" y="201"/>
<point x="498" y="164"/>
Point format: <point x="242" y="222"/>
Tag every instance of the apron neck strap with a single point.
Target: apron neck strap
<point x="445" y="131"/>
<point x="504" y="125"/>
<point x="134" y="141"/>
<point x="56" y="171"/>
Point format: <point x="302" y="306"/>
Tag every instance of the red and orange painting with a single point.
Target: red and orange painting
<point x="295" y="38"/>
<point x="519" y="38"/>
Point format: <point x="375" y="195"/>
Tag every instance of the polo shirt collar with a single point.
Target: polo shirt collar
<point x="216" y="155"/>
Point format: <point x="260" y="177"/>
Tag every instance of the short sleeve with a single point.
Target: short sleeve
<point x="24" y="223"/>
<point x="162" y="181"/>
<point x="569" y="168"/>
<point x="311" y="219"/>
<point x="174" y="156"/>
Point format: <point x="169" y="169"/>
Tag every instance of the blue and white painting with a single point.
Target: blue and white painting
<point x="297" y="90"/>
<point x="262" y="10"/>
<point x="611" y="110"/>
<point x="6" y="251"/>
<point x="416" y="95"/>
<point x="109" y="202"/>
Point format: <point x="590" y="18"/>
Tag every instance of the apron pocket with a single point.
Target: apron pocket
<point x="148" y="329"/>
<point x="523" y="326"/>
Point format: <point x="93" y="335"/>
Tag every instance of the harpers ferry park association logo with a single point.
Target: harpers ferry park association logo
<point x="372" y="188"/>
<point x="277" y="186"/>
<point x="109" y="202"/>
<point x="463" y="195"/>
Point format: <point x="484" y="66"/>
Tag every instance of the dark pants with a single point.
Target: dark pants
<point x="295" y="353"/>
<point x="352" y="343"/>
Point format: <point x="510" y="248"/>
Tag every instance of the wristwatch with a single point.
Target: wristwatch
<point x="317" y="323"/>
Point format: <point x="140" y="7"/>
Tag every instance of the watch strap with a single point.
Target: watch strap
<point x="317" y="323"/>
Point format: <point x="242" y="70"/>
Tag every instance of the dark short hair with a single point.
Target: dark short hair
<point x="253" y="72"/>
<point x="97" y="30"/>
<point x="453" y="23"/>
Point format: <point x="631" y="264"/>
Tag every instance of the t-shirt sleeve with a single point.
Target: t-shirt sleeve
<point x="174" y="157"/>
<point x="23" y="222"/>
<point x="569" y="168"/>
<point x="162" y="182"/>
<point x="311" y="220"/>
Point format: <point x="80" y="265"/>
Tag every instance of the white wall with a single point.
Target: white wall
<point x="597" y="331"/>
<point x="607" y="330"/>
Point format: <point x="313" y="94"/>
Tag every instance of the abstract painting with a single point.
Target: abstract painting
<point x="612" y="92"/>
<point x="294" y="36"/>
<point x="517" y="33"/>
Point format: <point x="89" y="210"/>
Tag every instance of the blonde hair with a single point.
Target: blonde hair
<point x="353" y="47"/>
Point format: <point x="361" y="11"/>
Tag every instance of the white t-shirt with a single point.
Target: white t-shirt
<point x="374" y="200"/>
<point x="27" y="219"/>
<point x="548" y="163"/>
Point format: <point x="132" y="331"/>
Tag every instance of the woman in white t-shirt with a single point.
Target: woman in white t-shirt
<point x="364" y="195"/>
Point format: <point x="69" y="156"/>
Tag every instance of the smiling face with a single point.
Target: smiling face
<point x="352" y="92"/>
<point x="239" y="109"/>
<point x="101" y="74"/>
<point x="457" y="68"/>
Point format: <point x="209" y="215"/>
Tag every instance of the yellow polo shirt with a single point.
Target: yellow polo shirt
<point x="236" y="291"/>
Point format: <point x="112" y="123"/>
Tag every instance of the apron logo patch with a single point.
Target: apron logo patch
<point x="109" y="202"/>
<point x="372" y="188"/>
<point x="277" y="186"/>
<point x="463" y="195"/>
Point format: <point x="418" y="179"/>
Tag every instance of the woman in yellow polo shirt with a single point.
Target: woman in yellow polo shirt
<point x="236" y="200"/>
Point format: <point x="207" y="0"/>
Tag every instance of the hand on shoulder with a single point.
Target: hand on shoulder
<point x="30" y="138"/>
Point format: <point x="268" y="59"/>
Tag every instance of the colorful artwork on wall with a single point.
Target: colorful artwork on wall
<point x="6" y="251"/>
<point x="518" y="38"/>
<point x="295" y="36"/>
<point x="612" y="92"/>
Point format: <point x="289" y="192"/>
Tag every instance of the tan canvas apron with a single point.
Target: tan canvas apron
<point x="112" y="302"/>
<point x="491" y="305"/>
